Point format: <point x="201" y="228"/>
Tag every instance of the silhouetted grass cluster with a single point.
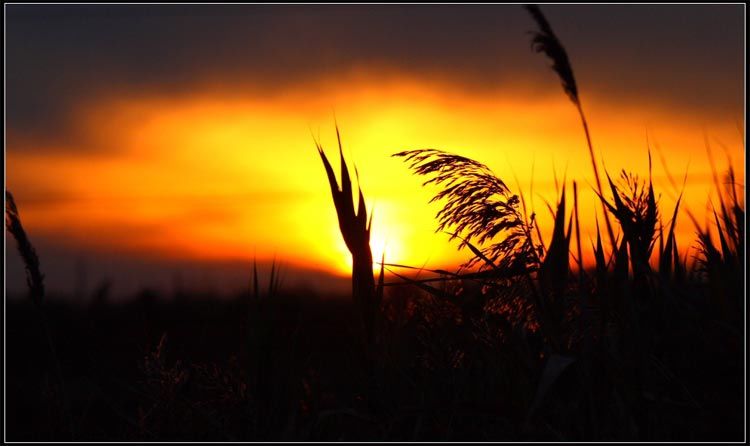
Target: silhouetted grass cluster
<point x="514" y="346"/>
<point x="620" y="325"/>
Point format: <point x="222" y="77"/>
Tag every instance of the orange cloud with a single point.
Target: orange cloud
<point x="218" y="176"/>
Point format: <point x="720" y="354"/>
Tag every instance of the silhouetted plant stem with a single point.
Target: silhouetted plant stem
<point x="578" y="233"/>
<point x="355" y="229"/>
<point x="595" y="168"/>
<point x="545" y="41"/>
<point x="35" y="282"/>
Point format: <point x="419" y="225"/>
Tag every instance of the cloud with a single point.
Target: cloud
<point x="60" y="58"/>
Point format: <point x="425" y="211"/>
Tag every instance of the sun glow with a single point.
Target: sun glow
<point x="226" y="176"/>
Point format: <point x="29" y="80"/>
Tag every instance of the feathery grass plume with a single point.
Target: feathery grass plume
<point x="545" y="41"/>
<point x="34" y="276"/>
<point x="636" y="210"/>
<point x="355" y="229"/>
<point x="478" y="207"/>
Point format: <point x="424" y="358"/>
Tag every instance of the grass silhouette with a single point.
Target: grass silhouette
<point x="355" y="229"/>
<point x="515" y="345"/>
<point x="35" y="282"/>
<point x="34" y="276"/>
<point x="545" y="41"/>
<point x="609" y="325"/>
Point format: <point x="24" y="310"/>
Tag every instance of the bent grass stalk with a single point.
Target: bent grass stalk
<point x="34" y="276"/>
<point x="35" y="282"/>
<point x="545" y="41"/>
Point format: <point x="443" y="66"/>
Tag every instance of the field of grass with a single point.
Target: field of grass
<point x="470" y="364"/>
<point x="523" y="343"/>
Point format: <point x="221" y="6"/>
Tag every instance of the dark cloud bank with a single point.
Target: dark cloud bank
<point x="59" y="56"/>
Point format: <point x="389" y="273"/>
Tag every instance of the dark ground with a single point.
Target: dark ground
<point x="207" y="369"/>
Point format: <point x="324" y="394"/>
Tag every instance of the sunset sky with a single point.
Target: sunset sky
<point x="162" y="144"/>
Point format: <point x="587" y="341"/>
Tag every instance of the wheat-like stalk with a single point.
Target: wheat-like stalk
<point x="478" y="206"/>
<point x="35" y="282"/>
<point x="34" y="276"/>
<point x="545" y="41"/>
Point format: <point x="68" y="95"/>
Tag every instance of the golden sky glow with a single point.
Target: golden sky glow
<point x="217" y="175"/>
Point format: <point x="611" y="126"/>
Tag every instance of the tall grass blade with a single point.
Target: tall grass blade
<point x="35" y="283"/>
<point x="554" y="269"/>
<point x="421" y="284"/>
<point x="578" y="235"/>
<point x="666" y="260"/>
<point x="545" y="41"/>
<point x="355" y="230"/>
<point x="34" y="276"/>
<point x="381" y="282"/>
<point x="726" y="252"/>
<point x="621" y="262"/>
<point x="601" y="262"/>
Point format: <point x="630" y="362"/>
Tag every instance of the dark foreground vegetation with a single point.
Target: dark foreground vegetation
<point x="208" y="369"/>
<point x="522" y="343"/>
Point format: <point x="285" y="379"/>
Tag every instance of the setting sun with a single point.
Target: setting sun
<point x="200" y="200"/>
<point x="239" y="178"/>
